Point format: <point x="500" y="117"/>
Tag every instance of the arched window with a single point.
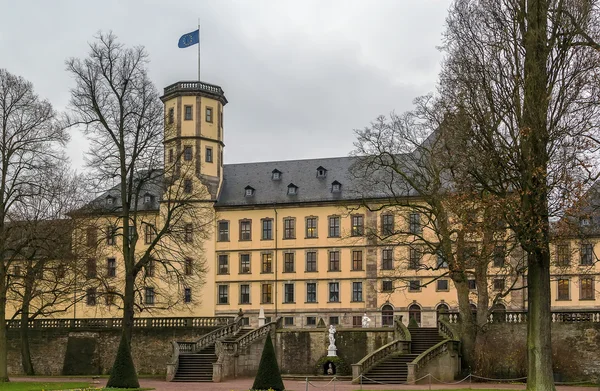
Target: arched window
<point x="499" y="312"/>
<point x="387" y="315"/>
<point x="442" y="310"/>
<point x="414" y="311"/>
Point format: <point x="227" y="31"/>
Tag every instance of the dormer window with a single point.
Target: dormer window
<point x="336" y="187"/>
<point x="321" y="172"/>
<point x="147" y="198"/>
<point x="292" y="189"/>
<point x="249" y="191"/>
<point x="110" y="200"/>
<point x="276" y="175"/>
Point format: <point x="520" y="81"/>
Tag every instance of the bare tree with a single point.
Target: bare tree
<point x="525" y="75"/>
<point x="407" y="171"/>
<point x="123" y="116"/>
<point x="28" y="147"/>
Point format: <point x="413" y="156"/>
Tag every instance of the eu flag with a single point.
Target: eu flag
<point x="189" y="39"/>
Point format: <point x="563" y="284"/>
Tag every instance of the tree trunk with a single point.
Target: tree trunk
<point x="468" y="329"/>
<point x="3" y="336"/>
<point x="24" y="329"/>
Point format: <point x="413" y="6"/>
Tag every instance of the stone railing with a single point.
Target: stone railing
<point x="370" y="360"/>
<point x="193" y="86"/>
<point x="521" y="317"/>
<point x="108" y="323"/>
<point x="446" y="329"/>
<point x="424" y="358"/>
<point x="402" y="330"/>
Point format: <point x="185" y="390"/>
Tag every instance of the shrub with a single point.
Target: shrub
<point x="413" y="323"/>
<point x="341" y="367"/>
<point x="122" y="374"/>
<point x="268" y="375"/>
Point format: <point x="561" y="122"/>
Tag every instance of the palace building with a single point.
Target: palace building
<point x="293" y="238"/>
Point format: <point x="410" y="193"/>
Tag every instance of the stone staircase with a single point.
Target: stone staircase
<point x="198" y="367"/>
<point x="393" y="370"/>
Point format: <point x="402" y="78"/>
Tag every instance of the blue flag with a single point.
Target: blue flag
<point x="189" y="39"/>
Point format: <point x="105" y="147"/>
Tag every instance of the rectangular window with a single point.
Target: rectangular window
<point x="472" y="284"/>
<point x="288" y="293"/>
<point x="311" y="227"/>
<point x="387" y="225"/>
<point x="334" y="320"/>
<point x="208" y="155"/>
<point x="149" y="296"/>
<point x="414" y="286"/>
<point x="267" y="263"/>
<point x="499" y="284"/>
<point x="358" y="227"/>
<point x="209" y="114"/>
<point x="61" y="271"/>
<point x="149" y="233"/>
<point x="150" y="268"/>
<point x="311" y="320"/>
<point x="357" y="321"/>
<point x="415" y="224"/>
<point x="586" y="286"/>
<point x="223" y="231"/>
<point x="244" y="294"/>
<point x="109" y="296"/>
<point x="442" y="262"/>
<point x="334" y="261"/>
<point x="244" y="263"/>
<point x="245" y="230"/>
<point x="562" y="255"/>
<point x="17" y="271"/>
<point x="171" y="156"/>
<point x="441" y="285"/>
<point x="90" y="265"/>
<point x="187" y="295"/>
<point x="499" y="256"/>
<point x="267" y="229"/>
<point x="111" y="235"/>
<point x="266" y="293"/>
<point x="414" y="259"/>
<point x="587" y="254"/>
<point x="563" y="289"/>
<point x="288" y="320"/>
<point x="91" y="237"/>
<point x="189" y="266"/>
<point x="90" y="296"/>
<point x="187" y="113"/>
<point x="334" y="226"/>
<point x="288" y="263"/>
<point x="131" y="233"/>
<point x="311" y="261"/>
<point x="357" y="263"/>
<point x="387" y="259"/>
<point x="187" y="186"/>
<point x="334" y="292"/>
<point x="171" y="116"/>
<point x="387" y="286"/>
<point x="223" y="264"/>
<point x="188" y="235"/>
<point x="223" y="294"/>
<point x="289" y="228"/>
<point x="357" y="291"/>
<point x="311" y="292"/>
<point x="187" y="153"/>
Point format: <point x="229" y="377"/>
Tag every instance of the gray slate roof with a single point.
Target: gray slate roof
<point x="302" y="173"/>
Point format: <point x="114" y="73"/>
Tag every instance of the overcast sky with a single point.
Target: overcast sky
<point x="300" y="75"/>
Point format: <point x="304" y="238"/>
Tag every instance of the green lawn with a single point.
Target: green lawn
<point x="38" y="386"/>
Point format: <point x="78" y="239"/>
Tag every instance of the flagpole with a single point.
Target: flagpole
<point x="198" y="49"/>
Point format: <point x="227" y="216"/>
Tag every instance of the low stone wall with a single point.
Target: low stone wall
<point x="502" y="351"/>
<point x="54" y="351"/>
<point x="299" y="350"/>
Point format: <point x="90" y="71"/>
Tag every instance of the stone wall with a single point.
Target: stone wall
<point x="151" y="348"/>
<point x="502" y="352"/>
<point x="299" y="350"/>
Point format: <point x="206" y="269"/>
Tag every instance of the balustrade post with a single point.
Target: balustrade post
<point x="356" y="373"/>
<point x="410" y="377"/>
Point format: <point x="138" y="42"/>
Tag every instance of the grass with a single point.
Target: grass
<point x="39" y="386"/>
<point x="454" y="389"/>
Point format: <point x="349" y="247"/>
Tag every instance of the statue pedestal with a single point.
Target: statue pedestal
<point x="331" y="351"/>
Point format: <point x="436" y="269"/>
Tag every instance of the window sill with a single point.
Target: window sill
<point x="563" y="299"/>
<point x="266" y="240"/>
<point x="266" y="302"/>
<point x="222" y="274"/>
<point x="222" y="303"/>
<point x="590" y="299"/>
<point x="333" y="271"/>
<point x="414" y="291"/>
<point x="311" y="302"/>
<point x="334" y="237"/>
<point x="442" y="290"/>
<point x="289" y="239"/>
<point x="244" y="273"/>
<point x="288" y="272"/>
<point x="311" y="237"/>
<point x="244" y="240"/>
<point x="311" y="271"/>
<point x="222" y="241"/>
<point x="357" y="270"/>
<point x="337" y="302"/>
<point x="289" y="302"/>
<point x="357" y="301"/>
<point x="244" y="303"/>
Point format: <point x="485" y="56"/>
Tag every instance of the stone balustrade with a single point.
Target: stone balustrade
<point x="521" y="316"/>
<point x="107" y="323"/>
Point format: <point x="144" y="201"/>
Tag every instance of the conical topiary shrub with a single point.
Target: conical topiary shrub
<point x="268" y="376"/>
<point x="412" y="323"/>
<point x="123" y="374"/>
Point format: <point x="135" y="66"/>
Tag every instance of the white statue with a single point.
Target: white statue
<point x="365" y="320"/>
<point x="331" y="350"/>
